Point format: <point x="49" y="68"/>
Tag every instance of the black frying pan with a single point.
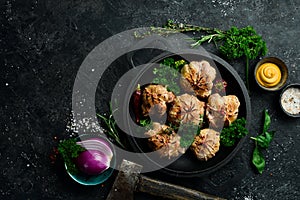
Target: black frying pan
<point x="187" y="165"/>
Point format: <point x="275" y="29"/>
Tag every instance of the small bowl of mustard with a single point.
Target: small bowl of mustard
<point x="271" y="73"/>
<point x="290" y="100"/>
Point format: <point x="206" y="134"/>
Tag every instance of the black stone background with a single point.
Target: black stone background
<point x="43" y="43"/>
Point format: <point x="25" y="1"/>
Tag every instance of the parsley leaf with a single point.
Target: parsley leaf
<point x="168" y="74"/>
<point x="69" y="150"/>
<point x="145" y="122"/>
<point x="187" y="132"/>
<point x="229" y="135"/>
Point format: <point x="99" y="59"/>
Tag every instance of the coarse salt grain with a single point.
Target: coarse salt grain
<point x="290" y="100"/>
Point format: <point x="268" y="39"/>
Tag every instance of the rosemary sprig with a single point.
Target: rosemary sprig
<point x="110" y="124"/>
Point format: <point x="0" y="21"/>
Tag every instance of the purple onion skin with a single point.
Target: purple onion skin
<point x="92" y="162"/>
<point x="87" y="144"/>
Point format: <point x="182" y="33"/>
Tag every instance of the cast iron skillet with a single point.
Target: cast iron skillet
<point x="187" y="165"/>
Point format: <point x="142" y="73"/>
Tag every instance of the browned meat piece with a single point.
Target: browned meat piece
<point x="164" y="140"/>
<point x="155" y="99"/>
<point x="198" y="77"/>
<point x="222" y="110"/>
<point x="215" y="110"/>
<point x="232" y="104"/>
<point x="186" y="109"/>
<point x="206" y="144"/>
<point x="156" y="128"/>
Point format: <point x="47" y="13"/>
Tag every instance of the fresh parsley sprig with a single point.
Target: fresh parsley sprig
<point x="168" y="74"/>
<point x="235" y="131"/>
<point x="187" y="132"/>
<point x="69" y="150"/>
<point x="262" y="141"/>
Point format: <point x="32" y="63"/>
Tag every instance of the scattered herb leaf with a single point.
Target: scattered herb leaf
<point x="267" y="122"/>
<point x="69" y="150"/>
<point x="262" y="141"/>
<point x="229" y="135"/>
<point x="258" y="160"/>
<point x="145" y="122"/>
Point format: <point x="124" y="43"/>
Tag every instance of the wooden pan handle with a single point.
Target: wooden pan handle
<point x="171" y="191"/>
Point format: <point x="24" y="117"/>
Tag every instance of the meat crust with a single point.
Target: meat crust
<point x="165" y="141"/>
<point x="206" y="144"/>
<point x="215" y="110"/>
<point x="232" y="105"/>
<point x="222" y="110"/>
<point x="155" y="99"/>
<point x="186" y="109"/>
<point x="198" y="77"/>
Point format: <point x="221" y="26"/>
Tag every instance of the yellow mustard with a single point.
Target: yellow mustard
<point x="268" y="75"/>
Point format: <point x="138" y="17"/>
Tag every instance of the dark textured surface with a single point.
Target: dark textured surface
<point x="43" y="43"/>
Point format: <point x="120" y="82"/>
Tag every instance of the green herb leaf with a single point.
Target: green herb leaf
<point x="69" y="150"/>
<point x="145" y="122"/>
<point x="262" y="141"/>
<point x="168" y="74"/>
<point x="258" y="160"/>
<point x="232" y="133"/>
<point x="243" y="42"/>
<point x="267" y="121"/>
<point x="187" y="133"/>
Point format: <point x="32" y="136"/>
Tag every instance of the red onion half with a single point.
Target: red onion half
<point x="96" y="159"/>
